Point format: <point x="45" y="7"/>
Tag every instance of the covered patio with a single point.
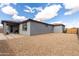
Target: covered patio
<point x="11" y="27"/>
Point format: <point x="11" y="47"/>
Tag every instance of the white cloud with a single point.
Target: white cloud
<point x="19" y="18"/>
<point x="28" y="7"/>
<point x="72" y="24"/>
<point x="48" y="13"/>
<point x="9" y="10"/>
<point x="59" y="22"/>
<point x="4" y="4"/>
<point x="68" y="24"/>
<point x="29" y="10"/>
<point x="72" y="11"/>
<point x="39" y="9"/>
<point x="73" y="5"/>
<point x="9" y="1"/>
<point x="32" y="9"/>
<point x="30" y="1"/>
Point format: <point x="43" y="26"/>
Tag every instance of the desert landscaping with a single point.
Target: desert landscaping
<point x="39" y="29"/>
<point x="51" y="44"/>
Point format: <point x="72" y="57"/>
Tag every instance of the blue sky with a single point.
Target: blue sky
<point x="44" y="12"/>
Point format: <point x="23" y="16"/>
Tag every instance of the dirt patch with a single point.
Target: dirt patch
<point x="42" y="45"/>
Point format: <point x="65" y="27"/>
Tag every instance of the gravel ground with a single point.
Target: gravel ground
<point x="52" y="44"/>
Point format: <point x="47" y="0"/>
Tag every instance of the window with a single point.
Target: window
<point x="25" y="26"/>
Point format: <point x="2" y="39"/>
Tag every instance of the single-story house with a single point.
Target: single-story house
<point x="30" y="27"/>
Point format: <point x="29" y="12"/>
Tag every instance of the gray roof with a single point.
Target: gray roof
<point x="24" y="21"/>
